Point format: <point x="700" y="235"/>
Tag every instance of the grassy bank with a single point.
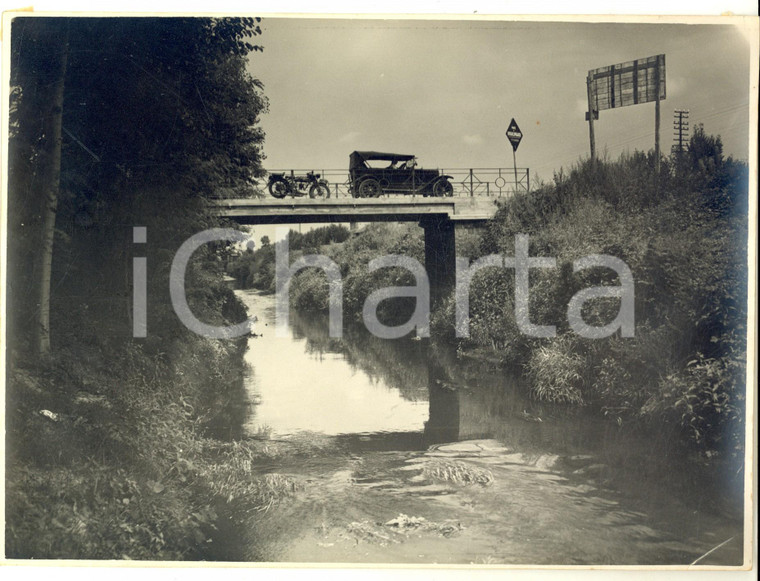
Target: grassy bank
<point x="684" y="237"/>
<point x="683" y="234"/>
<point x="111" y="451"/>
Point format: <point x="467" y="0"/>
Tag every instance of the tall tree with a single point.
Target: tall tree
<point x="42" y="76"/>
<point x="145" y="119"/>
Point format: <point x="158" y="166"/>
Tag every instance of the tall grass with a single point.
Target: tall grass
<point x="123" y="463"/>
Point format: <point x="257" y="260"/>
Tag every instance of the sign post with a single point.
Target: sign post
<point x="515" y="136"/>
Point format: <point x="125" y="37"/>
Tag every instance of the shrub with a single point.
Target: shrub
<point x="557" y="372"/>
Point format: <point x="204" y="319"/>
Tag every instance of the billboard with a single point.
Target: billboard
<point x="628" y="83"/>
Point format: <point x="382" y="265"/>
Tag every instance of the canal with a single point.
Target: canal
<point x="426" y="457"/>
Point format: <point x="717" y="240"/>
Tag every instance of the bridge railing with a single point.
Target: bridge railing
<point x="467" y="182"/>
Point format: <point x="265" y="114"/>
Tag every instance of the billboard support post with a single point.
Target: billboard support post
<point x="590" y="116"/>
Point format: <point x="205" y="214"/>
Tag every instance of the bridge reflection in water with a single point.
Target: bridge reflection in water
<point x="466" y="399"/>
<point x="406" y="366"/>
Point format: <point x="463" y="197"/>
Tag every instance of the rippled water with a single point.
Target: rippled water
<point x="430" y="459"/>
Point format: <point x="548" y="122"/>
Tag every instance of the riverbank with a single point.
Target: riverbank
<point x="117" y="452"/>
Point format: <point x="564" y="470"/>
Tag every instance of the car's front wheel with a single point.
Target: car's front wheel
<point x="370" y="189"/>
<point x="443" y="188"/>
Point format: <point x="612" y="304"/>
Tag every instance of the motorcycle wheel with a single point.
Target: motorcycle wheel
<point x="319" y="190"/>
<point x="278" y="188"/>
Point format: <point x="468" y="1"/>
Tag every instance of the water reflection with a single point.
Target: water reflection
<point x="311" y="383"/>
<point x="398" y="364"/>
<point x="405" y="365"/>
<point x="443" y="423"/>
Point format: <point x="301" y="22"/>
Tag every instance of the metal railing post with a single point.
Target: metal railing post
<point x="472" y="191"/>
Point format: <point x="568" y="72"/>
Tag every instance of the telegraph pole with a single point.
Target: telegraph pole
<point x="680" y="131"/>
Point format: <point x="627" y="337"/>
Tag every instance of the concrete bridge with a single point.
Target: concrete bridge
<point x="439" y="217"/>
<point x="472" y="210"/>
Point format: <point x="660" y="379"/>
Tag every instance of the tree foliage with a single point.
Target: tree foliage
<point x="159" y="114"/>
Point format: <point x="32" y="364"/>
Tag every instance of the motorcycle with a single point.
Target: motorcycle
<point x="281" y="185"/>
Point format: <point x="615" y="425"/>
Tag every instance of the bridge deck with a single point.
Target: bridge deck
<point x="403" y="209"/>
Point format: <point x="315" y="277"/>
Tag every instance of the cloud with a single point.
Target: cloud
<point x="349" y="137"/>
<point x="472" y="139"/>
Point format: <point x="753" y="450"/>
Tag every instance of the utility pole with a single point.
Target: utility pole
<point x="680" y="131"/>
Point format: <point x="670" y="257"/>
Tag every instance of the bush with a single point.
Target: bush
<point x="557" y="372"/>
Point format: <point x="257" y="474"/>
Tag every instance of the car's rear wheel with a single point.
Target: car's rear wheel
<point x="370" y="189"/>
<point x="443" y="188"/>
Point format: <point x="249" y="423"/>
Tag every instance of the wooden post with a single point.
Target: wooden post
<point x="590" y="114"/>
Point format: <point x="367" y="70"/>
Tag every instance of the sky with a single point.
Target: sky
<point x="445" y="90"/>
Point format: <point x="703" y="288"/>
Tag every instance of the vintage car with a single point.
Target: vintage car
<point x="372" y="174"/>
